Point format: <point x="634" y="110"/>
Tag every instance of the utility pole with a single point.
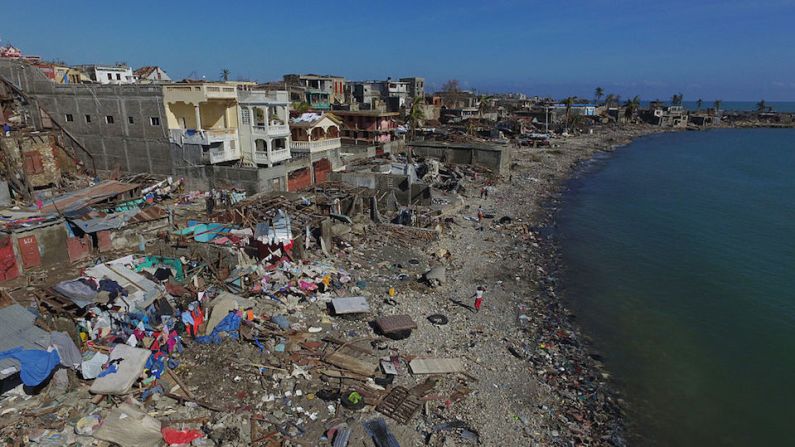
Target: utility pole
<point x="546" y="121"/>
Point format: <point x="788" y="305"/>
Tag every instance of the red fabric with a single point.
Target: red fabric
<point x="478" y="302"/>
<point x="173" y="436"/>
<point x="198" y="316"/>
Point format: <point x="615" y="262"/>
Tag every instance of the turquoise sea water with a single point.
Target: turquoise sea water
<point x="680" y="263"/>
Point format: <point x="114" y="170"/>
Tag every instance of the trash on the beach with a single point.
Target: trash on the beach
<point x="438" y="319"/>
<point x="436" y="276"/>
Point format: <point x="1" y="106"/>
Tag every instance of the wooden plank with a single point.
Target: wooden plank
<point x="436" y="366"/>
<point x="350" y="305"/>
<point x="346" y="359"/>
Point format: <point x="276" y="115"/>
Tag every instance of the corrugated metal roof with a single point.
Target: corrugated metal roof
<point x="87" y="196"/>
<point x="17" y="329"/>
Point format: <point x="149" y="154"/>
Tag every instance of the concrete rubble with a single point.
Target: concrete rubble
<point x="303" y="319"/>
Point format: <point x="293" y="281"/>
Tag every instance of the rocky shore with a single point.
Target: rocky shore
<point x="538" y="380"/>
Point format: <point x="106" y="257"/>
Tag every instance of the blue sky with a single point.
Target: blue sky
<point x="728" y="49"/>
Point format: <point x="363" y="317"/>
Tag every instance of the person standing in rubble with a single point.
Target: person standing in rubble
<point x="210" y="202"/>
<point x="478" y="296"/>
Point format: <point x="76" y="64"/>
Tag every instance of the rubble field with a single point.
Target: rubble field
<point x="330" y="317"/>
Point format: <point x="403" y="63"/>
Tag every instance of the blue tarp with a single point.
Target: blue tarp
<point x="230" y="324"/>
<point x="36" y="365"/>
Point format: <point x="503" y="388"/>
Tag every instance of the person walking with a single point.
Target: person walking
<point x="478" y="297"/>
<point x="481" y="215"/>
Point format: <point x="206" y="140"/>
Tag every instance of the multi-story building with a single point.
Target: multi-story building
<point x="319" y="91"/>
<point x="380" y="95"/>
<point x="416" y="87"/>
<point x="316" y="136"/>
<point x="264" y="130"/>
<point x="368" y="126"/>
<point x="205" y="114"/>
<point x="108" y="74"/>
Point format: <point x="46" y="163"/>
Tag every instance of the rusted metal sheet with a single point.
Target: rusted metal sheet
<point x="103" y="241"/>
<point x="8" y="260"/>
<point x="108" y="189"/>
<point x="29" y="251"/>
<point x="147" y="214"/>
<point x="78" y="248"/>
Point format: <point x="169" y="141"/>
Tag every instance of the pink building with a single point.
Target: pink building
<point x="367" y="126"/>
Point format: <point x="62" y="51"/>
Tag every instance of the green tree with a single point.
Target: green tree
<point x="225" y="73"/>
<point x="300" y="107"/>
<point x="761" y="106"/>
<point x="598" y="93"/>
<point x="717" y="105"/>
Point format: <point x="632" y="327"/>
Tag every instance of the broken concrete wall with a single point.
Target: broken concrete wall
<point x="33" y="155"/>
<point x="382" y="182"/>
<point x="51" y="242"/>
<point x="496" y="158"/>
<point x="122" y="126"/>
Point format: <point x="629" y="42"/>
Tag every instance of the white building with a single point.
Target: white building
<point x="264" y="130"/>
<point x="108" y="74"/>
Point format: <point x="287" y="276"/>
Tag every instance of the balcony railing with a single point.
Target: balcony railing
<point x="274" y="130"/>
<point x="315" y="146"/>
<point x="261" y="157"/>
<point x="202" y="137"/>
<point x="220" y="155"/>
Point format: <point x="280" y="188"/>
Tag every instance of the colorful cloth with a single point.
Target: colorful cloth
<point x="36" y="365"/>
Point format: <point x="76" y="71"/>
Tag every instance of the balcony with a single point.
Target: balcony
<point x="274" y="130"/>
<point x="203" y="137"/>
<point x="261" y="157"/>
<point x="315" y="146"/>
<point x="220" y="155"/>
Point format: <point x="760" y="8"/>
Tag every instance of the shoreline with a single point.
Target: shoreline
<point x="578" y="401"/>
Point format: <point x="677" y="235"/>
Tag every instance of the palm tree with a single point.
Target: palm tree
<point x="598" y="93"/>
<point x="676" y="100"/>
<point x="630" y="107"/>
<point x="699" y="103"/>
<point x="569" y="102"/>
<point x="300" y="107"/>
<point x="225" y="73"/>
<point x="716" y="105"/>
<point x="761" y="106"/>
